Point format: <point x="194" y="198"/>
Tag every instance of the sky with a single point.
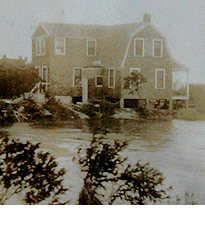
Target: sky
<point x="181" y="21"/>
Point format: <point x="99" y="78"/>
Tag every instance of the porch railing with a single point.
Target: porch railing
<point x="40" y="87"/>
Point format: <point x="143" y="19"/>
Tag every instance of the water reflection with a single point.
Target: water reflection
<point x="142" y="136"/>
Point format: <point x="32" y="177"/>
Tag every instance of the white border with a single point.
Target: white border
<point x="156" y="71"/>
<point x="95" y="47"/>
<point x="64" y="49"/>
<point x="109" y="86"/>
<point x="77" y="68"/>
<point x="161" y="54"/>
<point x="135" y="39"/>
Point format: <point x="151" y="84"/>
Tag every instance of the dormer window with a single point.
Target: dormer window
<point x="157" y="48"/>
<point x="40" y="46"/>
<point x="139" y="47"/>
<point x="91" y="47"/>
<point x="60" y="46"/>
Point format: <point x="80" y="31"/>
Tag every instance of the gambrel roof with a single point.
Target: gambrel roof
<point x="116" y="39"/>
<point x="86" y="31"/>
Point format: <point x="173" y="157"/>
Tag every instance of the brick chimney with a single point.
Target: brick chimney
<point x="147" y="18"/>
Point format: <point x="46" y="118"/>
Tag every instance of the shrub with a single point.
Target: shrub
<point x="16" y="80"/>
<point x="57" y="110"/>
<point x="189" y="114"/>
<point x="104" y="164"/>
<point x="26" y="170"/>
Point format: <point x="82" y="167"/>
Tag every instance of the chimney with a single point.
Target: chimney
<point x="147" y="18"/>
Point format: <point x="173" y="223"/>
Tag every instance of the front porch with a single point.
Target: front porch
<point x="180" y="85"/>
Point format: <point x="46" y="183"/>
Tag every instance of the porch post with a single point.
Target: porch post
<point x="85" y="90"/>
<point x="170" y="104"/>
<point x="121" y="103"/>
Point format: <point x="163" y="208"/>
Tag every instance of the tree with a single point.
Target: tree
<point x="27" y="171"/>
<point x="133" y="82"/>
<point x="103" y="164"/>
<point x="16" y="78"/>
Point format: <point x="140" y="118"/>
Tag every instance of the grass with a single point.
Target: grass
<point x="189" y="114"/>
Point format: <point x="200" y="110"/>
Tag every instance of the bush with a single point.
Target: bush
<point x="26" y="170"/>
<point x="57" y="110"/>
<point x="16" y="80"/>
<point x="103" y="164"/>
<point x="197" y="97"/>
<point x="189" y="114"/>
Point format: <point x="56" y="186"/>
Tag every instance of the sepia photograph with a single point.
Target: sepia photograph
<point x="102" y="102"/>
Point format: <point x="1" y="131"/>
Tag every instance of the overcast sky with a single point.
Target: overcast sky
<point x="181" y="21"/>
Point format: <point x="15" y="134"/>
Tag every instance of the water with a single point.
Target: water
<point x="176" y="148"/>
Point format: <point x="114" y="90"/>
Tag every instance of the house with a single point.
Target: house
<point x="87" y="62"/>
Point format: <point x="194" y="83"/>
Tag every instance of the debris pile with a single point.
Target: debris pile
<point x="29" y="110"/>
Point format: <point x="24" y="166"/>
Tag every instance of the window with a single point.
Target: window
<point x="77" y="77"/>
<point x="40" y="46"/>
<point x="111" y="78"/>
<point x="160" y="79"/>
<point x="157" y="48"/>
<point x="98" y="81"/>
<point x="139" y="47"/>
<point x="91" y="47"/>
<point x="60" y="46"/>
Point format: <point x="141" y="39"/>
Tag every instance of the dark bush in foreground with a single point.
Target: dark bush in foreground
<point x="103" y="164"/>
<point x="29" y="172"/>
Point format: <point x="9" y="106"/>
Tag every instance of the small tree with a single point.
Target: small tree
<point x="133" y="82"/>
<point x="104" y="164"/>
<point x="26" y="170"/>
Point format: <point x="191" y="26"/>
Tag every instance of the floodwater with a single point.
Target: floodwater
<point x="176" y="148"/>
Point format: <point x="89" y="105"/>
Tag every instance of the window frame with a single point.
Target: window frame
<point x="141" y="39"/>
<point x="91" y="40"/>
<point x="77" y="68"/>
<point x="98" y="76"/>
<point x="40" y="41"/>
<point x="114" y="76"/>
<point x="64" y="43"/>
<point x="156" y="78"/>
<point x="161" y="54"/>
